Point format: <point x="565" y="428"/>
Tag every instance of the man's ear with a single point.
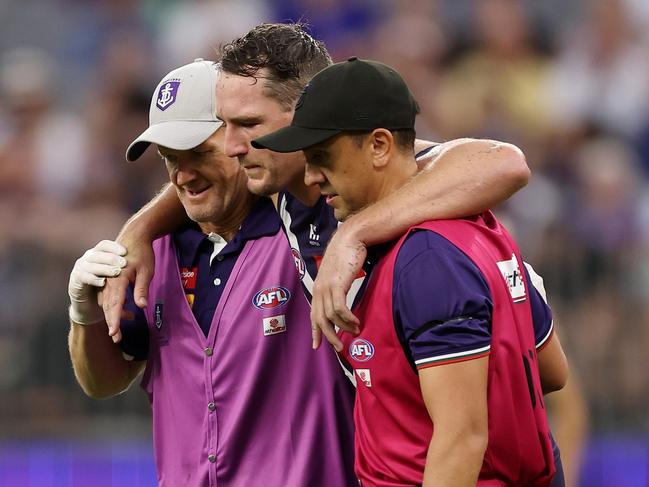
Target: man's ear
<point x="381" y="145"/>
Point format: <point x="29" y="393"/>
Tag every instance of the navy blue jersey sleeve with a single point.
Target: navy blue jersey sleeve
<point x="541" y="312"/>
<point x="441" y="302"/>
<point x="135" y="330"/>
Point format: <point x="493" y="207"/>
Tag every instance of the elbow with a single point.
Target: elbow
<point x="469" y="442"/>
<point x="475" y="443"/>
<point x="556" y="379"/>
<point x="95" y="388"/>
<point x="514" y="165"/>
<point x="550" y="387"/>
<point x="95" y="391"/>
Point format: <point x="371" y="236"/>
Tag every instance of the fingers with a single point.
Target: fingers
<point x="82" y="277"/>
<point x="117" y="337"/>
<point x="340" y="314"/>
<point x="103" y="260"/>
<point x="332" y="337"/>
<point x="316" y="334"/>
<point x="316" y="337"/>
<point x="112" y="302"/>
<point x="320" y="324"/>
<point x="100" y="270"/>
<point x="141" y="289"/>
<point x="111" y="247"/>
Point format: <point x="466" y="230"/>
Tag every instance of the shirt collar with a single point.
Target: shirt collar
<point x="261" y="221"/>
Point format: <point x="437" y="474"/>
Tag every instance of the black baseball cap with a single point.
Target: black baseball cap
<point x="354" y="95"/>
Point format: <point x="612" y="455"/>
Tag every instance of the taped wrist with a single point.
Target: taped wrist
<point x="85" y="313"/>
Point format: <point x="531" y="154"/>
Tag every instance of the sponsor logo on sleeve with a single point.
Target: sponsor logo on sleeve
<point x="513" y="278"/>
<point x="271" y="297"/>
<point x="274" y="325"/>
<point x="361" y="350"/>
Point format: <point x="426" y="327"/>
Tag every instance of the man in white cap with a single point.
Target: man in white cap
<point x="238" y="398"/>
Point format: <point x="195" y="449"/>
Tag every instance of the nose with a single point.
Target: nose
<point x="184" y="174"/>
<point x="235" y="144"/>
<point x="313" y="175"/>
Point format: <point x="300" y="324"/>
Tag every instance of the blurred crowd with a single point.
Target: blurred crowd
<point x="567" y="81"/>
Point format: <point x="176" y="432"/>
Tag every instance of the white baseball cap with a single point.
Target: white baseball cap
<point x="183" y="110"/>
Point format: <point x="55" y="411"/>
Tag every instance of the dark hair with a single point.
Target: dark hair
<point x="290" y="56"/>
<point x="403" y="138"/>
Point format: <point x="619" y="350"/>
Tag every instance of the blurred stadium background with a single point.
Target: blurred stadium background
<point x="566" y="80"/>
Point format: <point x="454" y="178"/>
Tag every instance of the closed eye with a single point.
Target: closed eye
<point x="316" y="157"/>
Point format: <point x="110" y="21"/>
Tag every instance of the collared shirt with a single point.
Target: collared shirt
<point x="205" y="262"/>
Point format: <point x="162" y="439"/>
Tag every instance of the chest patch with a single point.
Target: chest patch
<point x="364" y="376"/>
<point x="271" y="297"/>
<point x="361" y="350"/>
<point x="513" y="278"/>
<point x="274" y="325"/>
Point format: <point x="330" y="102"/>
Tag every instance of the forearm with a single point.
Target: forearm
<point x="454" y="461"/>
<point x="465" y="177"/>
<point x="161" y="216"/>
<point x="98" y="364"/>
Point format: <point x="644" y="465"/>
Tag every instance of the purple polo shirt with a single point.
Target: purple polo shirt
<point x="203" y="282"/>
<point x="458" y="307"/>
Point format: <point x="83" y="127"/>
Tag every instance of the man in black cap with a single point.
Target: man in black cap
<point x="452" y="333"/>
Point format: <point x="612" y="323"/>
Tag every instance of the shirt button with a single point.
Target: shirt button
<point x="208" y="351"/>
<point x="219" y="258"/>
<point x="217" y="282"/>
<point x="211" y="406"/>
<point x="211" y="458"/>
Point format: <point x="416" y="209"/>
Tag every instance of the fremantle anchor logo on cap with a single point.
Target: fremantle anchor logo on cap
<point x="167" y="94"/>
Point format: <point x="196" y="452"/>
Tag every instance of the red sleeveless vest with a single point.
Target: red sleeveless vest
<point x="393" y="428"/>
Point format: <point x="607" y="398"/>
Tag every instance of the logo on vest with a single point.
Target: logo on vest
<point x="299" y="262"/>
<point x="274" y="325"/>
<point x="361" y="350"/>
<point x="167" y="94"/>
<point x="364" y="376"/>
<point x="513" y="278"/>
<point x="157" y="315"/>
<point x="271" y="297"/>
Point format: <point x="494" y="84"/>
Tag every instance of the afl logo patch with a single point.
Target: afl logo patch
<point x="361" y="350"/>
<point x="271" y="297"/>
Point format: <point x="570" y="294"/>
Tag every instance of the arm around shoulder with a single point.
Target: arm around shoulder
<point x="458" y="178"/>
<point x="483" y="162"/>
